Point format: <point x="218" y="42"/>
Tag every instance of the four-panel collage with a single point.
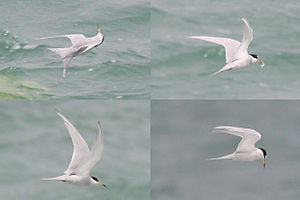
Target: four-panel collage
<point x="149" y="100"/>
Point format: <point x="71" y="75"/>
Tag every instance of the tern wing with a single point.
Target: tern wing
<point x="81" y="149"/>
<point x="249" y="136"/>
<point x="76" y="39"/>
<point x="231" y="46"/>
<point x="95" y="155"/>
<point x="247" y="38"/>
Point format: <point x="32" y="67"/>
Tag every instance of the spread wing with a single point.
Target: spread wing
<point x="87" y="164"/>
<point x="231" y="46"/>
<point x="76" y="39"/>
<point x="249" y="136"/>
<point x="247" y="38"/>
<point x="81" y="149"/>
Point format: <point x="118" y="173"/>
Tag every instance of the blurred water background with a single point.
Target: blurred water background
<point x="34" y="143"/>
<point x="117" y="69"/>
<point x="181" y="66"/>
<point x="182" y="141"/>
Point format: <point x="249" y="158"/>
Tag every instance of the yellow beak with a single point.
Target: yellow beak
<point x="259" y="60"/>
<point x="102" y="184"/>
<point x="99" y="31"/>
<point x="264" y="162"/>
<point x="262" y="64"/>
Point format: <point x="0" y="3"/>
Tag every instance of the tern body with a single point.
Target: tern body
<point x="236" y="52"/>
<point x="246" y="150"/>
<point x="83" y="160"/>
<point x="80" y="45"/>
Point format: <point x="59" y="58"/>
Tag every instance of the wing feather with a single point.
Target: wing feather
<point x="247" y="38"/>
<point x="249" y="136"/>
<point x="231" y="46"/>
<point x="95" y="155"/>
<point x="76" y="39"/>
<point x="81" y="149"/>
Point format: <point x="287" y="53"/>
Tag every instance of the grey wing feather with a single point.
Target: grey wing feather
<point x="247" y="38"/>
<point x="81" y="149"/>
<point x="75" y="38"/>
<point x="231" y="46"/>
<point x="95" y="155"/>
<point x="249" y="136"/>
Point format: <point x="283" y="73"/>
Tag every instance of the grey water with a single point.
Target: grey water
<point x="182" y="141"/>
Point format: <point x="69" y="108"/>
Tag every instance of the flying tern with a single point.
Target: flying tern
<point x="80" y="45"/>
<point x="236" y="52"/>
<point x="83" y="160"/>
<point x="246" y="150"/>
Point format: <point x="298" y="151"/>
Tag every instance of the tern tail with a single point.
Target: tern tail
<point x="213" y="74"/>
<point x="59" y="178"/>
<point x="227" y="157"/>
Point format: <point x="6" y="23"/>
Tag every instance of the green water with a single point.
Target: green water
<point x="34" y="143"/>
<point x="181" y="66"/>
<point x="139" y="77"/>
<point x="117" y="69"/>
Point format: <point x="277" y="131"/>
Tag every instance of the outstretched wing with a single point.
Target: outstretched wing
<point x="81" y="149"/>
<point x="247" y="38"/>
<point x="249" y="136"/>
<point x="231" y="46"/>
<point x="87" y="164"/>
<point x="76" y="39"/>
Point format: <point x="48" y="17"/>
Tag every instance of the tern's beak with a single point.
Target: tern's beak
<point x="264" y="162"/>
<point x="261" y="62"/>
<point x="99" y="31"/>
<point x="102" y="184"/>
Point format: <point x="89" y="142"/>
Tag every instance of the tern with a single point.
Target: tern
<point x="80" y="45"/>
<point x="246" y="150"/>
<point x="236" y="52"/>
<point x="83" y="160"/>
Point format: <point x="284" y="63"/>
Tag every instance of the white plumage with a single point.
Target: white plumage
<point x="83" y="160"/>
<point x="236" y="52"/>
<point x="80" y="45"/>
<point x="246" y="150"/>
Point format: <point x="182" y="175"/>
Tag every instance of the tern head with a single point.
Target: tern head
<point x="264" y="156"/>
<point x="97" y="182"/>
<point x="256" y="58"/>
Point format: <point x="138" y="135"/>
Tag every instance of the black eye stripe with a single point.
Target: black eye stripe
<point x="95" y="179"/>
<point x="254" y="56"/>
<point x="264" y="151"/>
